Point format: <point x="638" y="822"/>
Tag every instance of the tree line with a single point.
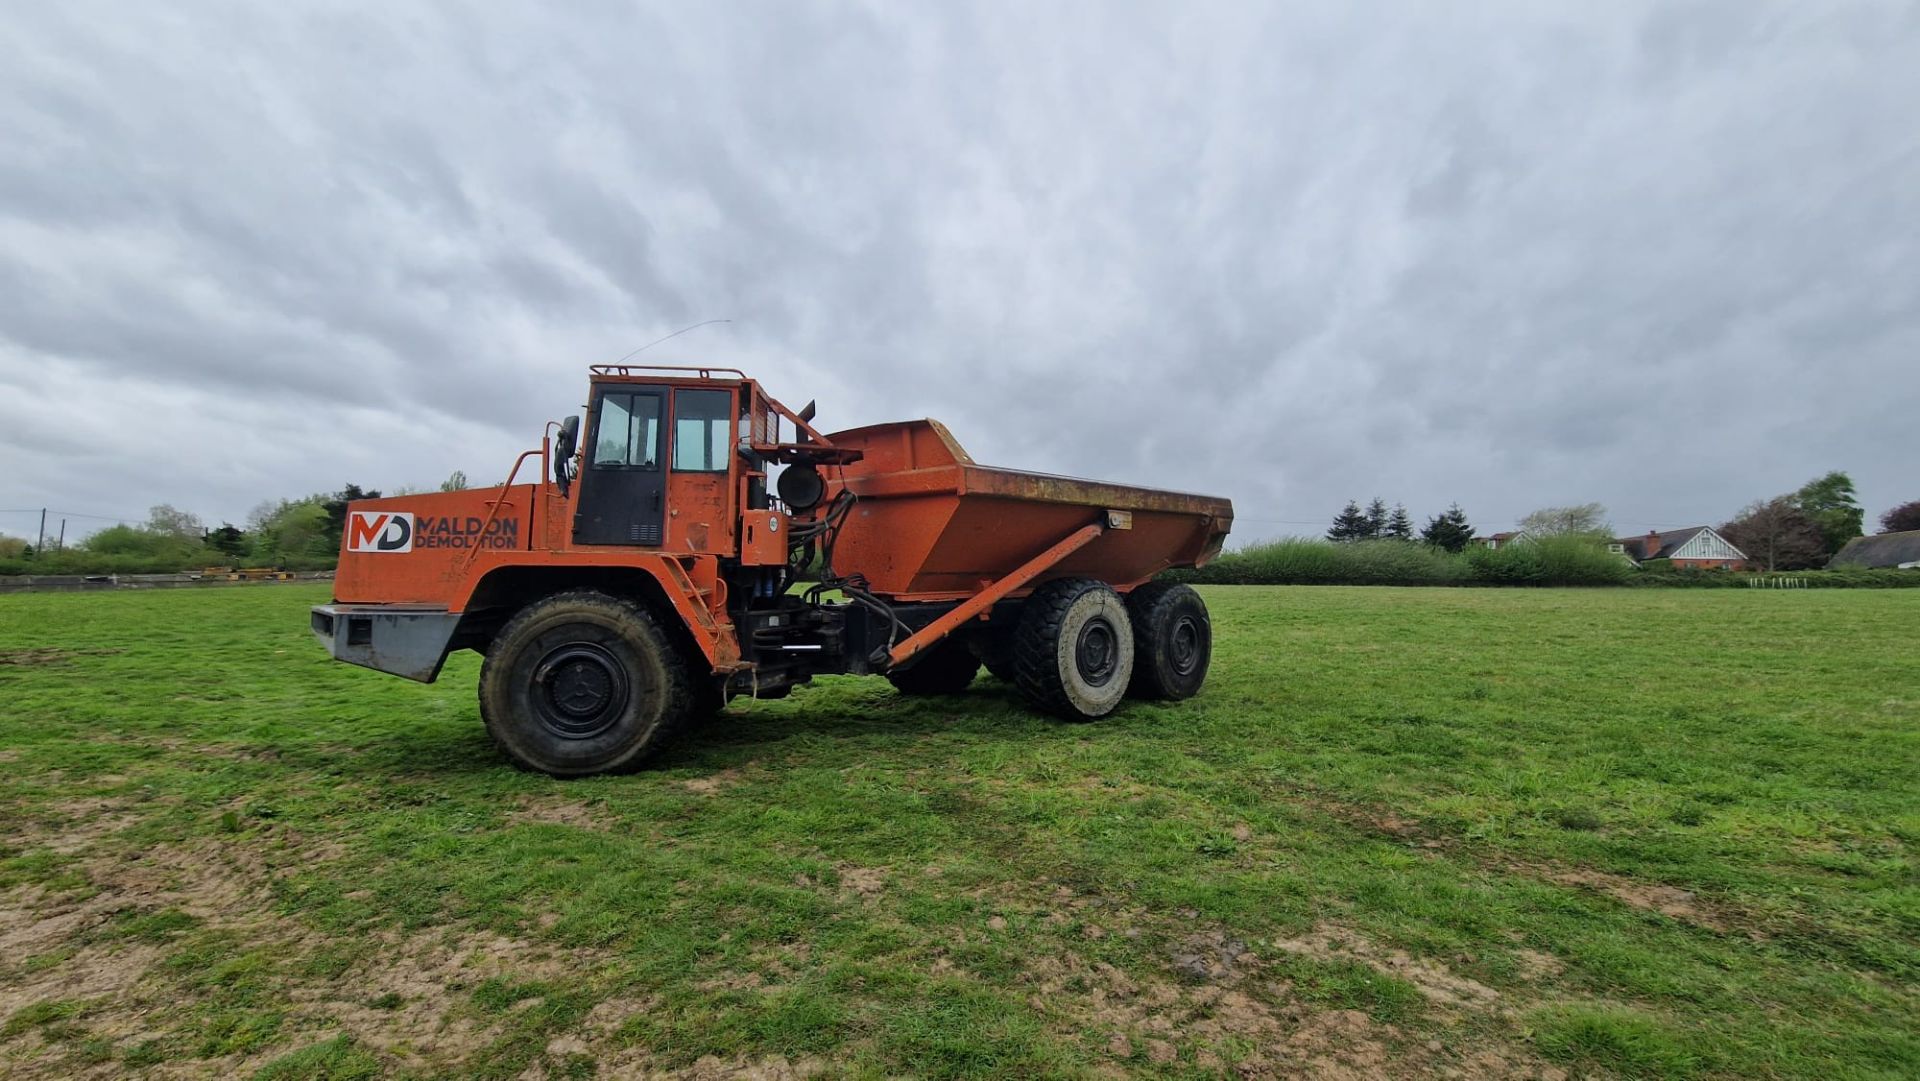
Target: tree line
<point x="1449" y="530"/>
<point x="1797" y="530"/>
<point x="1802" y="529"/>
<point x="290" y="534"/>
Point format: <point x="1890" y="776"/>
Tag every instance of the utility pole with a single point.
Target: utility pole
<point x="62" y="546"/>
<point x="41" y="541"/>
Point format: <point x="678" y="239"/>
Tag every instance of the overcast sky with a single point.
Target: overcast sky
<point x="1661" y="256"/>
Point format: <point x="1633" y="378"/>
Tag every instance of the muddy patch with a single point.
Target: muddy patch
<point x="733" y="981"/>
<point x="1226" y="1005"/>
<point x="1670" y="901"/>
<point x="550" y="812"/>
<point x="85" y="821"/>
<point x="1370" y="819"/>
<point x="1213" y="956"/>
<point x="713" y="783"/>
<point x="90" y="972"/>
<point x="114" y="997"/>
<point x="50" y="655"/>
<point x="637" y="1063"/>
<point x="1535" y="965"/>
<point x="606" y="1018"/>
<point x="1225" y="1011"/>
<point x="1330" y="943"/>
<point x="862" y="882"/>
<point x="70" y="826"/>
<point x="410" y="1001"/>
<point x="408" y="996"/>
<point x="67" y="949"/>
<point x="33" y="920"/>
<point x="227" y="884"/>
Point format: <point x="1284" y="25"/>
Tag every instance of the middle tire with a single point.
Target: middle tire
<point x="947" y="667"/>
<point x="993" y="644"/>
<point x="1073" y="652"/>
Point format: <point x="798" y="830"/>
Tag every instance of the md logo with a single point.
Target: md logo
<point x="380" y="531"/>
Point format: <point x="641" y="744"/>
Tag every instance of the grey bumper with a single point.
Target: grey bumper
<point x="407" y="642"/>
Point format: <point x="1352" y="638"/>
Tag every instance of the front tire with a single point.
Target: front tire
<point x="1073" y="653"/>
<point x="1172" y="641"/>
<point x="581" y="683"/>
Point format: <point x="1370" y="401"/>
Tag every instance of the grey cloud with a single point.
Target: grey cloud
<point x="1513" y="255"/>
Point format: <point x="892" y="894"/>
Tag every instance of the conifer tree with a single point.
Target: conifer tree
<point x="1449" y="530"/>
<point x="1351" y="525"/>
<point x="1376" y="518"/>
<point x="1399" y="526"/>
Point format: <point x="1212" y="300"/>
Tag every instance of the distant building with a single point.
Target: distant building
<point x="1501" y="540"/>
<point x="1898" y="550"/>
<point x="1698" y="547"/>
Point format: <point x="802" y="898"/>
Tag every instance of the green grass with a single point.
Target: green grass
<point x="1670" y="832"/>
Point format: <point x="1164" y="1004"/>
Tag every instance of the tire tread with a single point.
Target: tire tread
<point x="1036" y="665"/>
<point x="1147" y="609"/>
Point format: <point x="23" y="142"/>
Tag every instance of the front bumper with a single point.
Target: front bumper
<point x="407" y="642"/>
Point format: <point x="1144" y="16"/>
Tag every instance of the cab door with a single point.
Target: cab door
<point x="623" y="492"/>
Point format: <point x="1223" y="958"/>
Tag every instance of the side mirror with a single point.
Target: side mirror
<point x="564" y="446"/>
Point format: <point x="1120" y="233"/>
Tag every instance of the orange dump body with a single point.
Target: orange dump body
<point x="931" y="524"/>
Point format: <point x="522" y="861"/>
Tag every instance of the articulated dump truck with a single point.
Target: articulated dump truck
<point x="655" y="570"/>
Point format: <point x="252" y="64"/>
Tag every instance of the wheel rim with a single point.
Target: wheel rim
<point x="1183" y="645"/>
<point x="1096" y="652"/>
<point x="580" y="690"/>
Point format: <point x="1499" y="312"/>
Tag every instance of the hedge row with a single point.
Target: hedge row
<point x="1550" y="561"/>
<point x="1553" y="561"/>
<point x="1305" y="562"/>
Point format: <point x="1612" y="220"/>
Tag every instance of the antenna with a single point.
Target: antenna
<point x="669" y="337"/>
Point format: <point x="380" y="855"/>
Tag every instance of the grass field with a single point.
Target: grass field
<point x="1416" y="833"/>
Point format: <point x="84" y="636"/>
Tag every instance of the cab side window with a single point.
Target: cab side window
<point x="702" y="430"/>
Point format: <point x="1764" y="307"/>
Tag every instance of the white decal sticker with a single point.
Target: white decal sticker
<point x="380" y="531"/>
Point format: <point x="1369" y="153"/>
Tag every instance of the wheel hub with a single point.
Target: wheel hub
<point x="1096" y="652"/>
<point x="580" y="690"/>
<point x="1183" y="650"/>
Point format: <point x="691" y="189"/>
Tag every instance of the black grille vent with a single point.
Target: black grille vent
<point x="643" y="534"/>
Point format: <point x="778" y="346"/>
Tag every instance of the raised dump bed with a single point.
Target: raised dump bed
<point x="932" y="524"/>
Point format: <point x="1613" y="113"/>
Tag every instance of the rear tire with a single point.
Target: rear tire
<point x="994" y="646"/>
<point x="581" y="683"/>
<point x="946" y="667"/>
<point x="1172" y="641"/>
<point x="1073" y="653"/>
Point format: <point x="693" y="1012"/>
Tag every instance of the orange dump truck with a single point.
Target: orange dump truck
<point x="650" y="573"/>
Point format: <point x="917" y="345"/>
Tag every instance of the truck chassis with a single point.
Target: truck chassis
<point x="706" y="542"/>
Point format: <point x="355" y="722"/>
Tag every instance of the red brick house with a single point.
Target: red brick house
<point x="1697" y="547"/>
